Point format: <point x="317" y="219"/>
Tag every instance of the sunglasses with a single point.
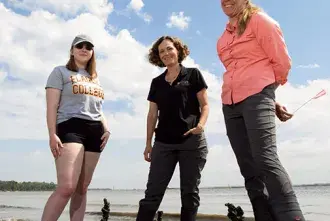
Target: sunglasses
<point x="88" y="46"/>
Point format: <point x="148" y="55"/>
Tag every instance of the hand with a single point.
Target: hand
<point x="196" y="130"/>
<point x="55" y="145"/>
<point x="282" y="113"/>
<point x="147" y="153"/>
<point x="105" y="137"/>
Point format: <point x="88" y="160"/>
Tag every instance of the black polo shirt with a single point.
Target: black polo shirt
<point x="178" y="106"/>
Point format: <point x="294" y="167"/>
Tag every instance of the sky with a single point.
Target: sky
<point x="35" y="36"/>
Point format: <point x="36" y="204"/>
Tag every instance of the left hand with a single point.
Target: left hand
<point x="282" y="113"/>
<point x="105" y="138"/>
<point x="196" y="130"/>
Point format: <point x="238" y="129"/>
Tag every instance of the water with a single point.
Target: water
<point x="314" y="201"/>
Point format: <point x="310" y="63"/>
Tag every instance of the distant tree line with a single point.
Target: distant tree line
<point x="26" y="186"/>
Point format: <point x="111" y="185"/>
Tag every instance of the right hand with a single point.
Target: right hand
<point x="147" y="153"/>
<point x="282" y="113"/>
<point x="55" y="145"/>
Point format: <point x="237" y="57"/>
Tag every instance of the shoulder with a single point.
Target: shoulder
<point x="192" y="71"/>
<point x="60" y="69"/>
<point x="158" y="78"/>
<point x="263" y="19"/>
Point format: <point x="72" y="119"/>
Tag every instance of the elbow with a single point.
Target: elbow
<point x="287" y="64"/>
<point x="152" y="116"/>
<point x="282" y="70"/>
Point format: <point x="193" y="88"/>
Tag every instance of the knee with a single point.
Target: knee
<point x="190" y="198"/>
<point x="268" y="163"/>
<point x="82" y="189"/>
<point x="66" y="190"/>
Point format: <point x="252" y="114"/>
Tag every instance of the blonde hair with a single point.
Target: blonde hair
<point x="245" y="17"/>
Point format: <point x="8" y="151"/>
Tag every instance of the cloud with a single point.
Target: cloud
<point x="137" y="6"/>
<point x="99" y="8"/>
<point x="309" y="66"/>
<point x="28" y="55"/>
<point x="178" y="20"/>
<point x="3" y="75"/>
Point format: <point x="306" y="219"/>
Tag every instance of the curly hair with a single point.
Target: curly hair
<point x="154" y="58"/>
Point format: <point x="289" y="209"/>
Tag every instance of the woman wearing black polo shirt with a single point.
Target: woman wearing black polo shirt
<point x="178" y="99"/>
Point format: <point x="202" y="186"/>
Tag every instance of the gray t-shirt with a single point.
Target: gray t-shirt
<point x="81" y="96"/>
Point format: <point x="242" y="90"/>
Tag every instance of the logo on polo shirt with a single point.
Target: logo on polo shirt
<point x="183" y="83"/>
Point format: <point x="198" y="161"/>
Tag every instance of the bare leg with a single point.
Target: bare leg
<point x="78" y="200"/>
<point x="68" y="167"/>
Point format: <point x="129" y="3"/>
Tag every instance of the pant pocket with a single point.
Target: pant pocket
<point x="269" y="91"/>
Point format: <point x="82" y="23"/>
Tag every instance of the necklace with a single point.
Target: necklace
<point x="172" y="79"/>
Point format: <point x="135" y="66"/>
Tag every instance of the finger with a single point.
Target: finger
<point x="188" y="132"/>
<point x="185" y="134"/>
<point x="287" y="115"/>
<point x="103" y="144"/>
<point x="55" y="153"/>
<point x="60" y="144"/>
<point x="58" y="149"/>
<point x="197" y="131"/>
<point x="145" y="156"/>
<point x="103" y="136"/>
<point x="149" y="157"/>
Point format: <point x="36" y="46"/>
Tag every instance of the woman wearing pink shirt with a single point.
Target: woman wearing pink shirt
<point x="256" y="59"/>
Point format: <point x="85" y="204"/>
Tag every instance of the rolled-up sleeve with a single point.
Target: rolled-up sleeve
<point x="270" y="37"/>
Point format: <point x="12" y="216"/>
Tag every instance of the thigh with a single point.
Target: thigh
<point x="88" y="167"/>
<point x="192" y="163"/>
<point x="70" y="131"/>
<point x="68" y="165"/>
<point x="162" y="166"/>
<point x="239" y="140"/>
<point x="93" y="132"/>
<point x="259" y="117"/>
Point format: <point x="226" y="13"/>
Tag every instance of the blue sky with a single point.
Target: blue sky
<point x="301" y="23"/>
<point x="37" y="38"/>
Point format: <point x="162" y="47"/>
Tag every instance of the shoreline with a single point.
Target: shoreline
<point x="171" y="188"/>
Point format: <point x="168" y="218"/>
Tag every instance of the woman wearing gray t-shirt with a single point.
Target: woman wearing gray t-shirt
<point x="78" y="130"/>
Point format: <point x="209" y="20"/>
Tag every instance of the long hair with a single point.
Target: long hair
<point x="245" y="17"/>
<point x="90" y="67"/>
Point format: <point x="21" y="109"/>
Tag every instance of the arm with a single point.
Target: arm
<point x="104" y="123"/>
<point x="151" y="122"/>
<point x="270" y="38"/>
<point x="204" y="104"/>
<point x="52" y="100"/>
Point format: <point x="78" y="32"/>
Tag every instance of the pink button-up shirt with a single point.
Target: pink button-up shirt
<point x="255" y="59"/>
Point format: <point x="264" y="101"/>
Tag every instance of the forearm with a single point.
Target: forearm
<point x="51" y="120"/>
<point x="151" y="125"/>
<point x="204" y="115"/>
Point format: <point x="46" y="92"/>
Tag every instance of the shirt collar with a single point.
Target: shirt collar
<point x="231" y="28"/>
<point x="183" y="71"/>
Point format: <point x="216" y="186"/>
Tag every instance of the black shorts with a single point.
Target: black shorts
<point x="86" y="132"/>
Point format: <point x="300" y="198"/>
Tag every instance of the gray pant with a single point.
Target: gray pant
<point x="191" y="156"/>
<point x="251" y="131"/>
